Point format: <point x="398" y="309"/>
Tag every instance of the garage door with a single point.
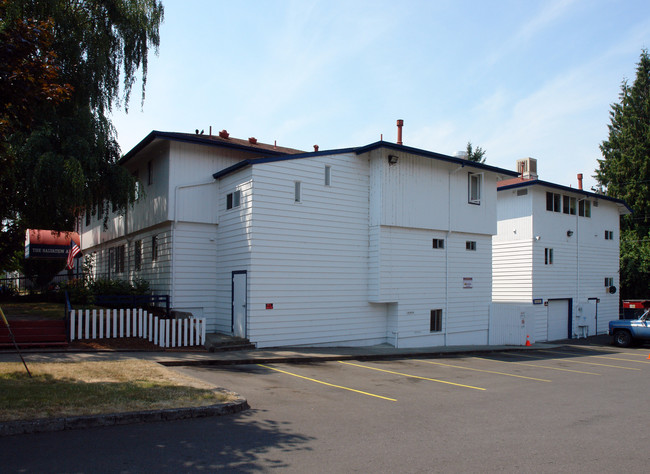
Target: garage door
<point x="558" y="320"/>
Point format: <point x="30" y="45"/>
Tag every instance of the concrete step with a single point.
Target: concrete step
<point x="217" y="342"/>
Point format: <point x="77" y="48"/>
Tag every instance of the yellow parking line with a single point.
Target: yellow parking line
<point x="412" y="376"/>
<point x="328" y="384"/>
<point x="602" y="357"/>
<point x="581" y="362"/>
<point x="538" y="366"/>
<point x="482" y="370"/>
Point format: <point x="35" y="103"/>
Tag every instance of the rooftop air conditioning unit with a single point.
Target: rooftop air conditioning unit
<point x="527" y="168"/>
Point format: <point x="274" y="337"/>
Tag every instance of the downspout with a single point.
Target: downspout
<point x="446" y="313"/>
<point x="174" y="224"/>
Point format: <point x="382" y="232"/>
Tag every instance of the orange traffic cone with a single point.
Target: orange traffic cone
<point x="648" y="356"/>
<point x="528" y="342"/>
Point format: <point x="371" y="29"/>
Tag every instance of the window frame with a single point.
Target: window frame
<point x="233" y="200"/>
<point x="474" y="193"/>
<point x="438" y="244"/>
<point x="297" y="192"/>
<point x="435" y="320"/>
<point x="470" y="245"/>
<point x="328" y="175"/>
<point x="548" y="256"/>
<point x="154" y="248"/>
<point x="137" y="255"/>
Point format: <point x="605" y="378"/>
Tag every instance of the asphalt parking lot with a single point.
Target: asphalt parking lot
<point x="572" y="409"/>
<point x="561" y="409"/>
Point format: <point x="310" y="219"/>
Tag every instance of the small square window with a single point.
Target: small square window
<point x="435" y="322"/>
<point x="328" y="175"/>
<point x="609" y="235"/>
<point x="470" y="245"/>
<point x="548" y="256"/>
<point x="233" y="199"/>
<point x="438" y="243"/>
<point x="609" y="281"/>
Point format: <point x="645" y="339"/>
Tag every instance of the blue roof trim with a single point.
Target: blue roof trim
<point x="568" y="189"/>
<point x="188" y="138"/>
<point x="268" y="159"/>
<point x="434" y="155"/>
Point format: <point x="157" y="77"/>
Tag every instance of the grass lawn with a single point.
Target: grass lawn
<point x="86" y="388"/>
<point x="33" y="310"/>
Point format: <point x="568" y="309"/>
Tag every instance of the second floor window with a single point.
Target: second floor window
<point x="475" y="182"/>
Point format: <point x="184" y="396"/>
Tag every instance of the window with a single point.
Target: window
<point x="137" y="255"/>
<point x="87" y="218"/>
<point x="438" y="243"/>
<point x="435" y="323"/>
<point x="117" y="260"/>
<point x="474" y="188"/>
<point x="233" y="200"/>
<point x="554" y="202"/>
<point x="609" y="235"/>
<point x="569" y="205"/>
<point x="154" y="248"/>
<point x="609" y="281"/>
<point x="548" y="256"/>
<point x="470" y="245"/>
<point x="584" y="208"/>
<point x="137" y="185"/>
<point x="328" y="175"/>
<point x="296" y="192"/>
<point x="149" y="173"/>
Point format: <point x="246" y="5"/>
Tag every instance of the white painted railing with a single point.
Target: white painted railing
<point x="106" y="324"/>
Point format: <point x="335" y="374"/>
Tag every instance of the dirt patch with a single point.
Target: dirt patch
<point x="127" y="344"/>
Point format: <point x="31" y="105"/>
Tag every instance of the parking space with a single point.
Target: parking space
<point x="502" y="411"/>
<point x="394" y="380"/>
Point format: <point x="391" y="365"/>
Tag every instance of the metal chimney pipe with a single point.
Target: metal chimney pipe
<point x="400" y="124"/>
<point x="579" y="180"/>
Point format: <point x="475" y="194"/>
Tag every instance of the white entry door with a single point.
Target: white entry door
<point x="558" y="320"/>
<point x="239" y="303"/>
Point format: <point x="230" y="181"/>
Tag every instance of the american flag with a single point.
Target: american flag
<point x="74" y="251"/>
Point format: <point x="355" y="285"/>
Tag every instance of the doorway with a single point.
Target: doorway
<point x="238" y="321"/>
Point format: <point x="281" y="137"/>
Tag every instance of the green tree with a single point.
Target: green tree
<point x="62" y="155"/>
<point x="624" y="173"/>
<point x="477" y="154"/>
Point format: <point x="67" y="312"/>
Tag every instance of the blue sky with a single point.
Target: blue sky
<point x="517" y="78"/>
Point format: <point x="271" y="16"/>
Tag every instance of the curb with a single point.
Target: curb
<point x="42" y="425"/>
<point x="329" y="358"/>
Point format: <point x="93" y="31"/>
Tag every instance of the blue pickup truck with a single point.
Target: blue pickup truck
<point x="626" y="331"/>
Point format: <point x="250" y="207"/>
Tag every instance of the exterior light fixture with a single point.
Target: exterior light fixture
<point x="392" y="159"/>
<point x="569" y="233"/>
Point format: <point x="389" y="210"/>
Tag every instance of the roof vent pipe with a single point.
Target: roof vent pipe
<point x="579" y="180"/>
<point x="315" y="147"/>
<point x="400" y="124"/>
<point x="224" y="134"/>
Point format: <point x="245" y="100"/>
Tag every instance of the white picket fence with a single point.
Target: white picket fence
<point x="105" y="324"/>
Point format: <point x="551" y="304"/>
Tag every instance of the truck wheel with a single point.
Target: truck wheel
<point x="622" y="338"/>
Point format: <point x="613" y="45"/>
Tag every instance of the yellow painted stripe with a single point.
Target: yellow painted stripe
<point x="538" y="366"/>
<point x="603" y="357"/>
<point x="412" y="376"/>
<point x="582" y="362"/>
<point x="328" y="384"/>
<point x="486" y="371"/>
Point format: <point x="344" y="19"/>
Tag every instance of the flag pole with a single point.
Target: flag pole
<point x="11" y="334"/>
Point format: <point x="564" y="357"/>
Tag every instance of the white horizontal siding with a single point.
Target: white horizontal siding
<point x="310" y="259"/>
<point x="195" y="271"/>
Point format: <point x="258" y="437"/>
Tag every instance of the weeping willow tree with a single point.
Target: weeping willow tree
<point x="59" y="149"/>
